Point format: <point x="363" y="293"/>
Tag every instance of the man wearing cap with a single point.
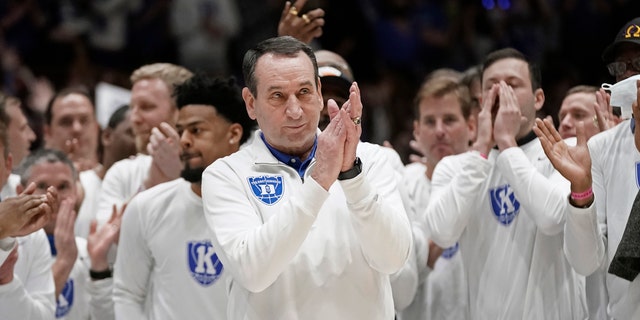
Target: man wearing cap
<point x="336" y="78"/>
<point x="604" y="174"/>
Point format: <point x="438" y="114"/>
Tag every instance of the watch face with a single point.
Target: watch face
<point x="353" y="172"/>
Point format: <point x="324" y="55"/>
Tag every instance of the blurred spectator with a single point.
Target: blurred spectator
<point x="203" y="29"/>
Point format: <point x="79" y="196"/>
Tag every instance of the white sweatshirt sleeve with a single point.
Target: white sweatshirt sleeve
<point x="454" y="191"/>
<point x="6" y="246"/>
<point x="544" y="199"/>
<point x="378" y="216"/>
<point x="131" y="279"/>
<point x="31" y="298"/>
<point x="101" y="304"/>
<point x="585" y="237"/>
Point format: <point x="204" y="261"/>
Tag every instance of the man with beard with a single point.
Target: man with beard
<point x="165" y="225"/>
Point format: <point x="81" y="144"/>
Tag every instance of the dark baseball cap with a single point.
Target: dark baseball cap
<point x="629" y="33"/>
<point x="333" y="78"/>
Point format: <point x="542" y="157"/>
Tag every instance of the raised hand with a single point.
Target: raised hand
<point x="331" y="144"/>
<point x="24" y="214"/>
<point x="100" y="240"/>
<point x="65" y="243"/>
<point x="605" y="119"/>
<point x="484" y="140"/>
<point x="305" y="27"/>
<point x="508" y="119"/>
<point x="164" y="148"/>
<point x="353" y="109"/>
<point x="574" y="163"/>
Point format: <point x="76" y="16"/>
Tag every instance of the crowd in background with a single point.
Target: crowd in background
<point x="391" y="45"/>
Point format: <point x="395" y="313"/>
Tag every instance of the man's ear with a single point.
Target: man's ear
<point x="249" y="102"/>
<point x="538" y="98"/>
<point x="106" y="136"/>
<point x="472" y="125"/>
<point x="235" y="133"/>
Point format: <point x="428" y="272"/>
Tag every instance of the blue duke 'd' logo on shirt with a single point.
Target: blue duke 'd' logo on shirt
<point x="65" y="299"/>
<point x="504" y="204"/>
<point x="204" y="265"/>
<point x="267" y="189"/>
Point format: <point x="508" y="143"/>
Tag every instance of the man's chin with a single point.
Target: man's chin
<point x="192" y="174"/>
<point x="141" y="145"/>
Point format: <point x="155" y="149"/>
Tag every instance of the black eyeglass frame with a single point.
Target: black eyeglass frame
<point x="618" y="68"/>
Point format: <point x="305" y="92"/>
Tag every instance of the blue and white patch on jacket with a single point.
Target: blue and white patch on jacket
<point x="504" y="204"/>
<point x="268" y="189"/>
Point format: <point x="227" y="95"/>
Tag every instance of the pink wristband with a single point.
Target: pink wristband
<point x="582" y="195"/>
<point x="483" y="155"/>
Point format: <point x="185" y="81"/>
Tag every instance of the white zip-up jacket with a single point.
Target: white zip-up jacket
<point x="296" y="251"/>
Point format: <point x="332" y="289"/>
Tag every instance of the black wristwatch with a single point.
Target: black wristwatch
<point x="99" y="275"/>
<point x="353" y="172"/>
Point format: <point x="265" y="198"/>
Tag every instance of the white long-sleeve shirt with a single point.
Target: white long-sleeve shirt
<point x="31" y="293"/>
<point x="508" y="213"/>
<point x="121" y="182"/>
<point x="81" y="298"/>
<point x="441" y="292"/>
<point x="91" y="184"/>
<point x="166" y="259"/>
<point x="296" y="251"/>
<point x="593" y="234"/>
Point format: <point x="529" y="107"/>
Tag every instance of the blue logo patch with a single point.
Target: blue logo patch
<point x="638" y="174"/>
<point x="267" y="189"/>
<point x="65" y="300"/>
<point x="448" y="253"/>
<point x="204" y="265"/>
<point x="504" y="204"/>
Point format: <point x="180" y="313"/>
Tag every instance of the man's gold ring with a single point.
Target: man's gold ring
<point x="356" y="120"/>
<point x="293" y="11"/>
<point x="595" y="120"/>
<point x="305" y="18"/>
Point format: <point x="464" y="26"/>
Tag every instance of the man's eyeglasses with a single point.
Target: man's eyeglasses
<point x="618" y="68"/>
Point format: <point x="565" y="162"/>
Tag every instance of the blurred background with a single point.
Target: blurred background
<point x="46" y="45"/>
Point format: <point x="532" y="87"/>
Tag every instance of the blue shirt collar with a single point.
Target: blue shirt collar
<point x="632" y="125"/>
<point x="292" y="161"/>
<point x="52" y="245"/>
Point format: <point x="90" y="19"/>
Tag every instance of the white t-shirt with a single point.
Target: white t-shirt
<point x="31" y="293"/>
<point x="91" y="184"/>
<point x="442" y="292"/>
<point x="9" y="188"/>
<point x="121" y="182"/>
<point x="508" y="215"/>
<point x="165" y="244"/>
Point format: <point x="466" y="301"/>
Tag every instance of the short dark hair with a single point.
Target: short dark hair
<point x="46" y="156"/>
<point x="283" y="46"/>
<point x="48" y="113"/>
<point x="118" y="116"/>
<point x="223" y="94"/>
<point x="506" y="53"/>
